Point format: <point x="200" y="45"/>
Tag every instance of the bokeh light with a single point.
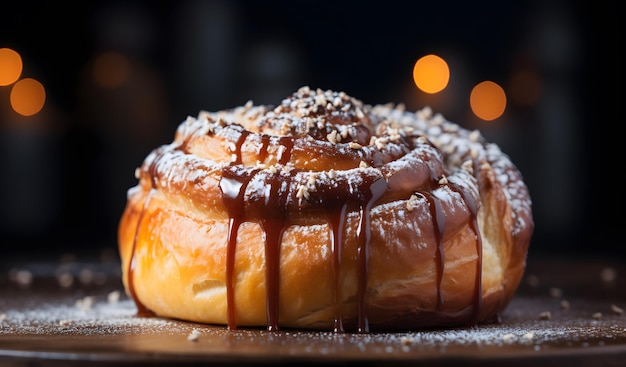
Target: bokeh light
<point x="525" y="88"/>
<point x="27" y="97"/>
<point x="111" y="69"/>
<point x="488" y="100"/>
<point x="431" y="73"/>
<point x="10" y="66"/>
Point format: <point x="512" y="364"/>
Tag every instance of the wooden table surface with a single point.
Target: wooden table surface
<point x="76" y="314"/>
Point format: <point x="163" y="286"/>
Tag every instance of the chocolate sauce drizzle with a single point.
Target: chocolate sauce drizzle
<point x="336" y="202"/>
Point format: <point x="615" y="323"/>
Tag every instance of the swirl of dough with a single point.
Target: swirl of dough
<point x="324" y="212"/>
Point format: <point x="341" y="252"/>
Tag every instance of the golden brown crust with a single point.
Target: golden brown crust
<point x="426" y="212"/>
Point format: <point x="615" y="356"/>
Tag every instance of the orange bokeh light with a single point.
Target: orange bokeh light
<point x="10" y="66"/>
<point x="111" y="69"/>
<point x="27" y="97"/>
<point x="488" y="100"/>
<point x="431" y="73"/>
<point x="525" y="88"/>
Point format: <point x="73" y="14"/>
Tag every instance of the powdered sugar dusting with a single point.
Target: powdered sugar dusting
<point x="89" y="321"/>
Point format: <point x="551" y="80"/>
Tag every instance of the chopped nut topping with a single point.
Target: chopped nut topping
<point x="468" y="166"/>
<point x="443" y="180"/>
<point x="411" y="204"/>
<point x="320" y="99"/>
<point x="355" y="145"/>
<point x="474" y="136"/>
<point x="333" y="138"/>
<point x="359" y="114"/>
<point x="303" y="192"/>
<point x="363" y="164"/>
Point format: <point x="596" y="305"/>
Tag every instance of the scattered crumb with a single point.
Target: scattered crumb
<point x="556" y="292"/>
<point x="113" y="296"/>
<point x="65" y="279"/>
<point x="608" y="274"/>
<point x="545" y="315"/>
<point x="532" y="280"/>
<point x="65" y="322"/>
<point x="85" y="303"/>
<point x="508" y="337"/>
<point x="617" y="310"/>
<point x="597" y="316"/>
<point x="22" y="277"/>
<point x="86" y="276"/>
<point x="194" y="335"/>
<point x="565" y="304"/>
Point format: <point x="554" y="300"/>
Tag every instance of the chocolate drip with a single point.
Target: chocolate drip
<point x="337" y="220"/>
<point x="233" y="187"/>
<point x="439" y="222"/>
<point x="368" y="194"/>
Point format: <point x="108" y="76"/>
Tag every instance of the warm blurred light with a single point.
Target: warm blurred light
<point x="431" y="74"/>
<point x="10" y="66"/>
<point x="111" y="69"/>
<point x="488" y="100"/>
<point x="27" y="97"/>
<point x="525" y="88"/>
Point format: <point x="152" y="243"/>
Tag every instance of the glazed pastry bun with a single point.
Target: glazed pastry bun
<point x="325" y="213"/>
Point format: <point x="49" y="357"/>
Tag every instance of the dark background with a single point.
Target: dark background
<point x="64" y="172"/>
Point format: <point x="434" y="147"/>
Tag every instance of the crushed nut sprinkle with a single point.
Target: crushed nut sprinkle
<point x="333" y="138"/>
<point x="411" y="204"/>
<point x="303" y="192"/>
<point x="443" y="180"/>
<point x="355" y="145"/>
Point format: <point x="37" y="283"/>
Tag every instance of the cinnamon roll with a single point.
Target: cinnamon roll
<point x="325" y="213"/>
